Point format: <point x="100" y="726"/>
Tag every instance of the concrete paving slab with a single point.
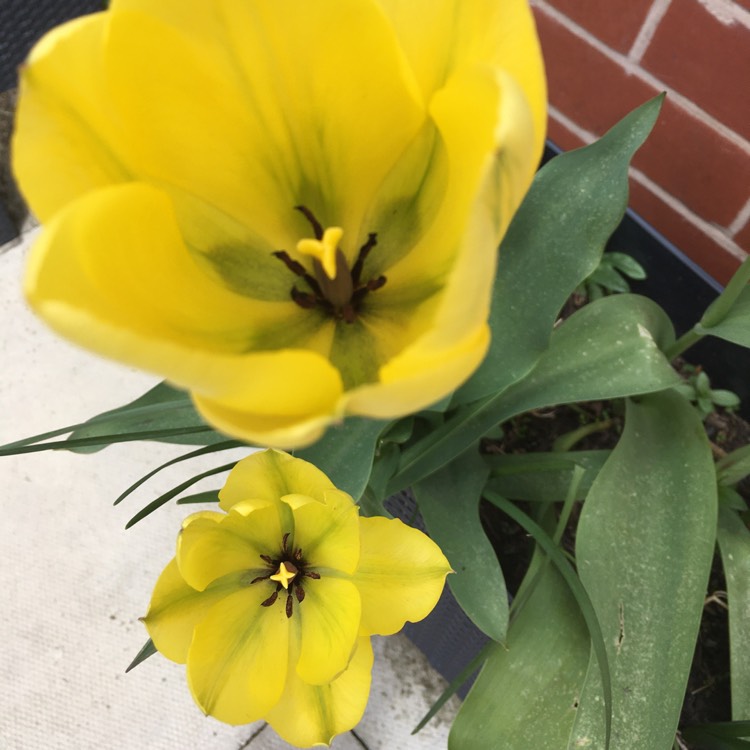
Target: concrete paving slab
<point x="74" y="582"/>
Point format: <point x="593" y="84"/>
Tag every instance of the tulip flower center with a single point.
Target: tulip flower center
<point x="334" y="288"/>
<point x="287" y="572"/>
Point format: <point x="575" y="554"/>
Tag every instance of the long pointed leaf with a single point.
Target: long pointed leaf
<point x="644" y="548"/>
<point x="554" y="242"/>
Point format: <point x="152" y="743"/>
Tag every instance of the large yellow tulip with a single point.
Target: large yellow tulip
<point x="290" y="208"/>
<point x="271" y="603"/>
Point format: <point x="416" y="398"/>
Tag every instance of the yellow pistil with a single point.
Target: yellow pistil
<point x="324" y="249"/>
<point x="285" y="574"/>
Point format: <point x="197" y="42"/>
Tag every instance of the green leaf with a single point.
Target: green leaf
<point x="167" y="496"/>
<point x="734" y="467"/>
<point x="554" y="242"/>
<point x="626" y="264"/>
<point x="209" y="496"/>
<point x="345" y="453"/>
<point x="609" y="278"/>
<point x="735" y="327"/>
<point x="215" y="448"/>
<point x="644" y="548"/>
<point x="725" y="735"/>
<point x="734" y="546"/>
<point x="161" y="408"/>
<point x="525" y="696"/>
<point x="607" y="349"/>
<point x="449" y="503"/>
<point x="147" y="650"/>
<point x="542" y="477"/>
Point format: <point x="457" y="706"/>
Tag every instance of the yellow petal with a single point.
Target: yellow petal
<point x="466" y="32"/>
<point x="129" y="303"/>
<point x="177" y="608"/>
<point x="314" y="714"/>
<point x="61" y="147"/>
<point x="329" y="619"/>
<point x="237" y="662"/>
<point x="400" y="576"/>
<point x="328" y="536"/>
<point x="208" y="550"/>
<point x="265" y="477"/>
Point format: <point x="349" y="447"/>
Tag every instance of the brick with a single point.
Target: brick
<point x="742" y="238"/>
<point x="700" y="247"/>
<point x="696" y="164"/>
<point x="587" y="87"/>
<point x="562" y="136"/>
<point x="705" y="60"/>
<point x="617" y="30"/>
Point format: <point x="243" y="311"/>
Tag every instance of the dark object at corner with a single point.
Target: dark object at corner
<point x="22" y="23"/>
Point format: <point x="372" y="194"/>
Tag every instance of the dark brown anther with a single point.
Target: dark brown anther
<point x="296" y="268"/>
<point x="347" y="313"/>
<point x="268" y="559"/>
<point x="298" y="555"/>
<point x="289" y="604"/>
<point x="312" y="574"/>
<point x="284" y="540"/>
<point x="375" y="284"/>
<point x="304" y="300"/>
<point x="364" y="251"/>
<point x="299" y="592"/>
<point x="314" y="223"/>
<point x="271" y="599"/>
<point x="260" y="578"/>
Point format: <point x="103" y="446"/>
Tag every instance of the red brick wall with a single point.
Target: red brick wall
<point x="691" y="180"/>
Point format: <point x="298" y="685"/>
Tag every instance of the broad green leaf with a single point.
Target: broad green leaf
<point x="644" y="548"/>
<point x="526" y="695"/>
<point x="542" y="477"/>
<point x="554" y="242"/>
<point x="449" y="503"/>
<point x="161" y="408"/>
<point x="735" y="327"/>
<point x="608" y="349"/>
<point x="726" y="735"/>
<point x="734" y="546"/>
<point x="345" y="453"/>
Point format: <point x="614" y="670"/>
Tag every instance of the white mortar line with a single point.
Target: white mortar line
<point x="727" y="12"/>
<point x="585" y="135"/>
<point x="714" y="232"/>
<point x="650" y="24"/>
<point x="742" y="218"/>
<point x="631" y="68"/>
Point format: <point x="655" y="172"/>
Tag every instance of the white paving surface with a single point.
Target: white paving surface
<point x="74" y="582"/>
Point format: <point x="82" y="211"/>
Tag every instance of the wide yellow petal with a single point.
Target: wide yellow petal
<point x="310" y="715"/>
<point x="63" y="139"/>
<point x="329" y="619"/>
<point x="177" y="608"/>
<point x="400" y="576"/>
<point x="208" y="550"/>
<point x="237" y="662"/>
<point x="145" y="302"/>
<point x="441" y="36"/>
<point x="265" y="477"/>
<point x="328" y="537"/>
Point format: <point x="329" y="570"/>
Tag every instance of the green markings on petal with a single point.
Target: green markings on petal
<point x="252" y="272"/>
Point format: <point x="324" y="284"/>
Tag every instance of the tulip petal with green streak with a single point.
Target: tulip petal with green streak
<point x="295" y="652"/>
<point x="165" y="147"/>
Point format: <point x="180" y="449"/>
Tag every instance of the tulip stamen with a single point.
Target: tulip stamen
<point x="335" y="289"/>
<point x="287" y="572"/>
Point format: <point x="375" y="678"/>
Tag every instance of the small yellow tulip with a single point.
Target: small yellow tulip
<point x="290" y="209"/>
<point x="271" y="603"/>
